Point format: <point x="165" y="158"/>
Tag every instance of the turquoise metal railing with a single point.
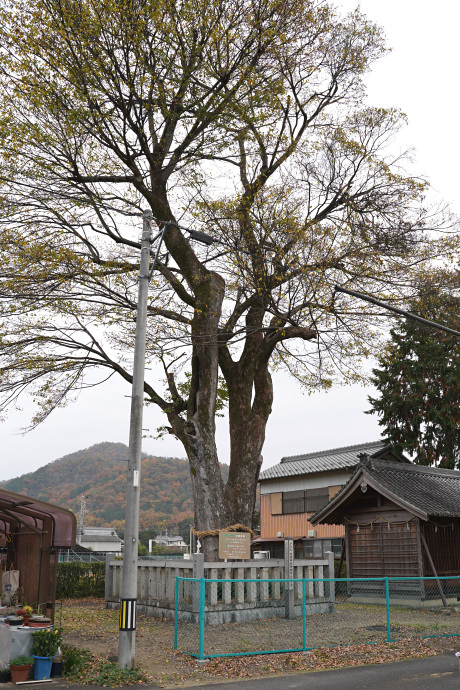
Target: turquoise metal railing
<point x="351" y="610"/>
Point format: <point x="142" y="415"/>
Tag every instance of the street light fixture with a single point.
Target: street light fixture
<point x="200" y="236"/>
<point x="128" y="599"/>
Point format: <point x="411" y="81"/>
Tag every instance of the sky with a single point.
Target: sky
<point x="420" y="77"/>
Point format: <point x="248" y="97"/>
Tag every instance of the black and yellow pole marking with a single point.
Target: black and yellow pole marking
<point x="128" y="614"/>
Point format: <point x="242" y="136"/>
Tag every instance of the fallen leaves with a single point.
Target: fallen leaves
<point x="89" y="624"/>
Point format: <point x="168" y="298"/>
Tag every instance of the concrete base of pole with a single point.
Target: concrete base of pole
<point x="127" y="649"/>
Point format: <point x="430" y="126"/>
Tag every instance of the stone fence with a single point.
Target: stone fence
<point x="228" y="598"/>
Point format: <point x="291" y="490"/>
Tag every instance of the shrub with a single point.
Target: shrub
<point x="74" y="660"/>
<point x="77" y="580"/>
<point x="46" y="642"/>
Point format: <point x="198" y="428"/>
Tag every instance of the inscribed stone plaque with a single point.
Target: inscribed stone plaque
<point x="289" y="561"/>
<point x="234" y="545"/>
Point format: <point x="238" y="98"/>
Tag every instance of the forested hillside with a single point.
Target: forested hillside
<point x="99" y="473"/>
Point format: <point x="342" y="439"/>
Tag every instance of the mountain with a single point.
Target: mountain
<point x="99" y="473"/>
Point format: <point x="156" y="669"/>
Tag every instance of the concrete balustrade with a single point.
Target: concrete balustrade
<point x="227" y="596"/>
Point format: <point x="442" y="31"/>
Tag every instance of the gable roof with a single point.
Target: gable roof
<point x="322" y="461"/>
<point x="424" y="491"/>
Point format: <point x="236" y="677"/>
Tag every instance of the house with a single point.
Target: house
<point x="100" y="539"/>
<point x="164" y="540"/>
<point x="400" y="521"/>
<point x="301" y="485"/>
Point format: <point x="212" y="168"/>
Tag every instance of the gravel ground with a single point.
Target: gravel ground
<point x="350" y="623"/>
<point x="89" y="625"/>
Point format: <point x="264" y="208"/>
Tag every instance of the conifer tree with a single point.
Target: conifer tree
<point x="418" y="379"/>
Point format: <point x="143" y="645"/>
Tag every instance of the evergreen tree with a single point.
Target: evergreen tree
<point x="419" y="384"/>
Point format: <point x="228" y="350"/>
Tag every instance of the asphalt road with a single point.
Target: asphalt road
<point x="430" y="673"/>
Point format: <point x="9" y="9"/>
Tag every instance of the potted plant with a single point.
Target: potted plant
<point x="5" y="675"/>
<point x="20" y="667"/>
<point x="14" y="620"/>
<point x="25" y="612"/>
<point x="45" y="644"/>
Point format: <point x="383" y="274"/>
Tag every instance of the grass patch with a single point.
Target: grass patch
<point x="83" y="667"/>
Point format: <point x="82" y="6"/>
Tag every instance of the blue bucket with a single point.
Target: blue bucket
<point x="42" y="667"/>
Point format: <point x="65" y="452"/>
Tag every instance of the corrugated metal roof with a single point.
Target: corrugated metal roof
<point x="321" y="461"/>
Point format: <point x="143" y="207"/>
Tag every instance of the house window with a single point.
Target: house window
<point x="317" y="499"/>
<point x="308" y="501"/>
<point x="293" y="502"/>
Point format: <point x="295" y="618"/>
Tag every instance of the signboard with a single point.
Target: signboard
<point x="234" y="545"/>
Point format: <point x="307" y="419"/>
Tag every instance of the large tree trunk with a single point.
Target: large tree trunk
<point x="249" y="383"/>
<point x="217" y="505"/>
<point x="250" y="404"/>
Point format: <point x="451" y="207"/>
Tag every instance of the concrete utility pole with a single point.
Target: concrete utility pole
<point x="127" y="638"/>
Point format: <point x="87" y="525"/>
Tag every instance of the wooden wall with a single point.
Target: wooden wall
<point x="443" y="541"/>
<point x="381" y="552"/>
<point x="382" y="539"/>
<point x="293" y="525"/>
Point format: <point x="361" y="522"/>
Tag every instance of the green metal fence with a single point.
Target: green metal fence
<point x="215" y="618"/>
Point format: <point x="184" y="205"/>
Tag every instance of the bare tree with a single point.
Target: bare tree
<point x="244" y="118"/>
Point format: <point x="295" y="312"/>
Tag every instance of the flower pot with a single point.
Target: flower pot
<point x="14" y="620"/>
<point x="42" y="667"/>
<point x="39" y="622"/>
<point x="19" y="673"/>
<point x="5" y="675"/>
<point x="56" y="669"/>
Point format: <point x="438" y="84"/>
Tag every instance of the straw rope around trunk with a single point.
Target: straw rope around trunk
<point x="215" y="532"/>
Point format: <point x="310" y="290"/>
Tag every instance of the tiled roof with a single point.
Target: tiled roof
<point x="424" y="491"/>
<point x="430" y="489"/>
<point x="309" y="463"/>
<point x="102" y="538"/>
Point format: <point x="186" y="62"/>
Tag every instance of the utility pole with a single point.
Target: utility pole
<point x="127" y="637"/>
<point x="128" y="600"/>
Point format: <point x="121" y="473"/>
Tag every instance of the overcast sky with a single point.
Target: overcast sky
<point x="420" y="76"/>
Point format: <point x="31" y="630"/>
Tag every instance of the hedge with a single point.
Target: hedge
<point x="76" y="580"/>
